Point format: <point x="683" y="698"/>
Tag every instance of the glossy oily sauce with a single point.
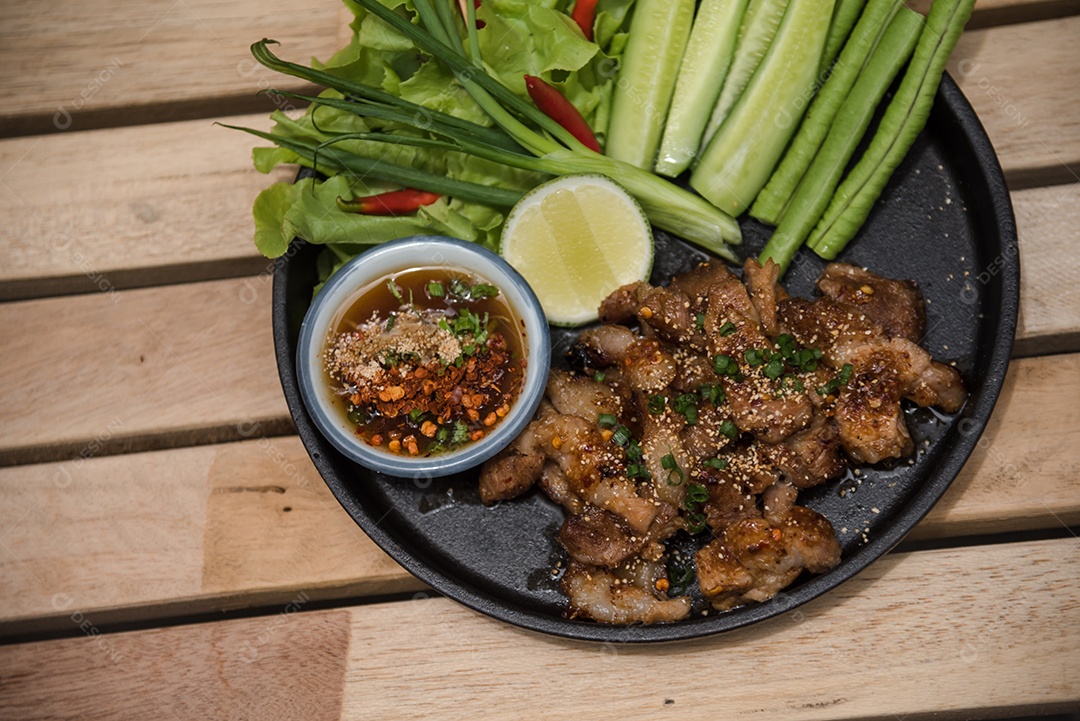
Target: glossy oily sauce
<point x="426" y="360"/>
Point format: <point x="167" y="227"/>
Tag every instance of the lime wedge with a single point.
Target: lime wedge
<point x="576" y="239"/>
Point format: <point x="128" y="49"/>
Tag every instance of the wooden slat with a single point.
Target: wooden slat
<point x="197" y="679"/>
<point x="129" y="370"/>
<point x="974" y="631"/>
<point x="179" y="532"/>
<point x="1025" y="471"/>
<point x="108" y="209"/>
<point x="1031" y="108"/>
<point x="115" y="62"/>
<point x="1047" y="220"/>
<point x="198" y="529"/>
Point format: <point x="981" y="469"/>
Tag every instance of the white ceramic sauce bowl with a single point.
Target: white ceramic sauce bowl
<point x="396" y="256"/>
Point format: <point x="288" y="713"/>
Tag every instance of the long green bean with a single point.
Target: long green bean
<point x="845" y="15"/>
<point x="817" y="186"/>
<point x="903" y="121"/>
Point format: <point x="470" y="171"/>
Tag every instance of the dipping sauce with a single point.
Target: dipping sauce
<point x="426" y="360"/>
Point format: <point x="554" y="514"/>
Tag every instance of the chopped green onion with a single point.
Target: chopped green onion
<point x="695" y="523"/>
<point x="459" y="288"/>
<point x="717" y="463"/>
<point x="754" y="357"/>
<point x="483" y="290"/>
<point x="729" y="429"/>
<point x="713" y="393"/>
<point x="656" y="404"/>
<point x="435" y="289"/>
<point x="637" y="470"/>
<point x="686" y="405"/>
<point x="808" y="359"/>
<point x="725" y="365"/>
<point x="834" y="384"/>
<point x="621" y="436"/>
<point x="675" y="474"/>
<point x="699" y="321"/>
<point x="696" y="493"/>
<point x="607" y="420"/>
<point x="599" y="376"/>
<point x="356" y="415"/>
<point x="394" y="290"/>
<point x="727" y="328"/>
<point x="774" y="368"/>
<point x="787" y="344"/>
<point x="845" y="373"/>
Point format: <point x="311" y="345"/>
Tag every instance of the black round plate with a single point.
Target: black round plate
<point x="945" y="221"/>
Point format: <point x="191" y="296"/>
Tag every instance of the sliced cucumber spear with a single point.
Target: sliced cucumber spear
<point x="776" y="194"/>
<point x="659" y="32"/>
<point x="701" y="76"/>
<point x="904" y="119"/>
<point x="746" y="148"/>
<point x="854" y="116"/>
<point x="760" y="21"/>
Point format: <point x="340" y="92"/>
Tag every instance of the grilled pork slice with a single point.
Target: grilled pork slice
<point x="754" y="558"/>
<point x="513" y="470"/>
<point x="628" y="594"/>
<point x="581" y="396"/>
<point x="600" y="538"/>
<point x="762" y="281"/>
<point x="895" y="305"/>
<point x="811" y="456"/>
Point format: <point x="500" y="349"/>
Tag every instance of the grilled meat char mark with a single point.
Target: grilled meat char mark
<point x="895" y="305"/>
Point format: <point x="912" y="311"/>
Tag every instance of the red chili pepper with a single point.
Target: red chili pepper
<point x="395" y="202"/>
<point x="561" y="110"/>
<point x="585" y="15"/>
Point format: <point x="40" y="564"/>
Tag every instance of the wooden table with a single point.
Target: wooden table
<point x="167" y="550"/>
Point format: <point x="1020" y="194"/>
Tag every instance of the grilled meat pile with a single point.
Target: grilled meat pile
<point x="730" y="398"/>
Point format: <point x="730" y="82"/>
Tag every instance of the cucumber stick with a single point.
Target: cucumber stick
<point x="846" y="131"/>
<point x="759" y="25"/>
<point x="741" y="156"/>
<point x="701" y="75"/>
<point x="659" y="32"/>
<point x="902" y="122"/>
<point x="776" y="194"/>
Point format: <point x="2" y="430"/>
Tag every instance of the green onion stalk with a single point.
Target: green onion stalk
<point x="522" y="136"/>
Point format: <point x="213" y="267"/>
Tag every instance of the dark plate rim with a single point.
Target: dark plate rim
<point x="951" y="100"/>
